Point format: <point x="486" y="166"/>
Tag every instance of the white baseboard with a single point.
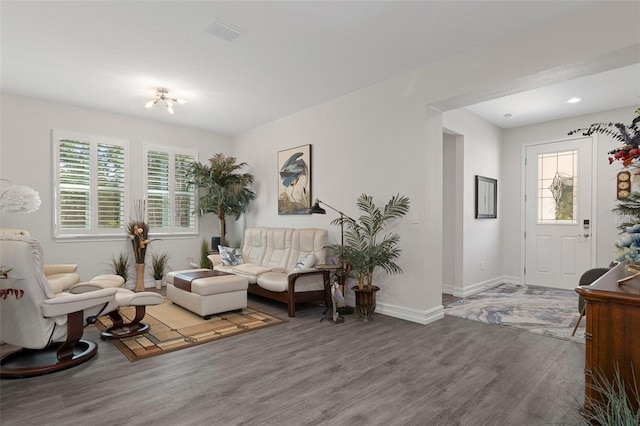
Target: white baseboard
<point x="409" y="314"/>
<point x="402" y="312"/>
<point x="478" y="287"/>
<point x="431" y="315"/>
<point x="447" y="288"/>
<point x="511" y="280"/>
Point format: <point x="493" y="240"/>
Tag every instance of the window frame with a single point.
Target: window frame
<point x="172" y="152"/>
<point x="93" y="231"/>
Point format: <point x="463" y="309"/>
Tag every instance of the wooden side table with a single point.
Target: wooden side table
<point x="611" y="337"/>
<point x="337" y="273"/>
<point x="333" y="272"/>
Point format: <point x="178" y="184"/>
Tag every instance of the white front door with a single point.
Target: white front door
<point x="558" y="213"/>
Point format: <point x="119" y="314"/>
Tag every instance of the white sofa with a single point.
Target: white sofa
<point x="269" y="258"/>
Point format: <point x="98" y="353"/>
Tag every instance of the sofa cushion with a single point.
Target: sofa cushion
<point x="304" y="241"/>
<point x="279" y="282"/>
<point x="250" y="269"/>
<point x="224" y="268"/>
<point x="273" y="281"/>
<point x="283" y="247"/>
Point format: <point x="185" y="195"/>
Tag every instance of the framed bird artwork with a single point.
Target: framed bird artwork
<point x="294" y="180"/>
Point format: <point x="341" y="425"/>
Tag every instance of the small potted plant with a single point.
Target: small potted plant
<point x="120" y="265"/>
<point x="365" y="250"/>
<point x="204" y="254"/>
<point x="159" y="265"/>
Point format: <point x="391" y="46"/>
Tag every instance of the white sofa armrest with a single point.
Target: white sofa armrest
<point x="302" y="271"/>
<point x="215" y="259"/>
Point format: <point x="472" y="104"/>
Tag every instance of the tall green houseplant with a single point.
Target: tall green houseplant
<point x="225" y="191"/>
<point x="365" y="249"/>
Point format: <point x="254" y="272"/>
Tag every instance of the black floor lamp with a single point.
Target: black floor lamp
<point x="316" y="209"/>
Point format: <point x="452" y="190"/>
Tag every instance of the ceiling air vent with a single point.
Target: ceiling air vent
<point x="224" y="31"/>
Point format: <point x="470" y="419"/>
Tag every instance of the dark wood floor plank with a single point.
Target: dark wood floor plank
<point x="307" y="372"/>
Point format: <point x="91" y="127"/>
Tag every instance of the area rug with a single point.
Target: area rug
<point x="540" y="310"/>
<point x="174" y="328"/>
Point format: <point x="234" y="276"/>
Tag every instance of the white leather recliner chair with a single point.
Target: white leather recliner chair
<point x="61" y="276"/>
<point x="48" y="327"/>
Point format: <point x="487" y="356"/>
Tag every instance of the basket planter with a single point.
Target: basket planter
<point x="366" y="301"/>
<point x="139" y="277"/>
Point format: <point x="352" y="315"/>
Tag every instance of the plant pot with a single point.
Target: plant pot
<point x="366" y="301"/>
<point x="139" y="277"/>
<point x="159" y="284"/>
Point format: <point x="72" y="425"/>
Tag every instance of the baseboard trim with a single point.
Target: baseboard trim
<point x="478" y="287"/>
<point x="409" y="314"/>
<point x="402" y="312"/>
<point x="511" y="280"/>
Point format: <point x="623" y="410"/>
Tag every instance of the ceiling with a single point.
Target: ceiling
<point x="597" y="92"/>
<point x="290" y="56"/>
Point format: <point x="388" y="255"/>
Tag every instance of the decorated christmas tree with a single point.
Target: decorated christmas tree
<point x="628" y="208"/>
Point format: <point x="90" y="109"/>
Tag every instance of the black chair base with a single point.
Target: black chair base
<point x="38" y="362"/>
<point x="127" y="330"/>
<point x="121" y="329"/>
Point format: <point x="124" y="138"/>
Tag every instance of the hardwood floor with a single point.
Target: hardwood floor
<point x="307" y="372"/>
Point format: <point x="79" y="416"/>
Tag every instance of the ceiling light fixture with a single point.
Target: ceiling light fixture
<point x="508" y="116"/>
<point x="162" y="96"/>
<point x="574" y="100"/>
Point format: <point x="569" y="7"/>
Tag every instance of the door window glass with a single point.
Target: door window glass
<point x="557" y="187"/>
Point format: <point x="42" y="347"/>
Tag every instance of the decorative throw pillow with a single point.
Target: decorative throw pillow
<point x="228" y="255"/>
<point x="306" y="262"/>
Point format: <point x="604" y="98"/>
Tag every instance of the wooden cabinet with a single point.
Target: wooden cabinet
<point x="612" y="333"/>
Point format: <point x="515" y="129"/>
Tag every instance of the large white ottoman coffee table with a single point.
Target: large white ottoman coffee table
<point x="206" y="292"/>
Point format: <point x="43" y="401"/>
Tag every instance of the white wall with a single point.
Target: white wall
<point x="387" y="138"/>
<point x="482" y="253"/>
<point x="450" y="244"/>
<point x="26" y="159"/>
<point x="603" y="225"/>
<point x="362" y="145"/>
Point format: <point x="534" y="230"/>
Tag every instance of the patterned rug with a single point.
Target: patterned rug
<point x="174" y="328"/>
<point x="539" y="310"/>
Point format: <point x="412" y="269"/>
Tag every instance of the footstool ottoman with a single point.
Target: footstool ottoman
<point x="123" y="298"/>
<point x="206" y="292"/>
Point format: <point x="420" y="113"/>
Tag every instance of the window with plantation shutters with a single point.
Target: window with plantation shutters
<point x="170" y="204"/>
<point x="90" y="184"/>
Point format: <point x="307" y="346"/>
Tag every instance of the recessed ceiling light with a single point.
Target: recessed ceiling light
<point x="508" y="116"/>
<point x="574" y="100"/>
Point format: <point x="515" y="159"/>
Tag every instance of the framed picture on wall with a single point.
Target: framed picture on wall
<point x="486" y="198"/>
<point x="294" y="180"/>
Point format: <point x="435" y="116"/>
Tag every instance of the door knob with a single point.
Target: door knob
<point x="583" y="235"/>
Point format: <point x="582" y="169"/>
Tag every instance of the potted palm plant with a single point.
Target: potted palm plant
<point x="225" y="191"/>
<point x="365" y="249"/>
